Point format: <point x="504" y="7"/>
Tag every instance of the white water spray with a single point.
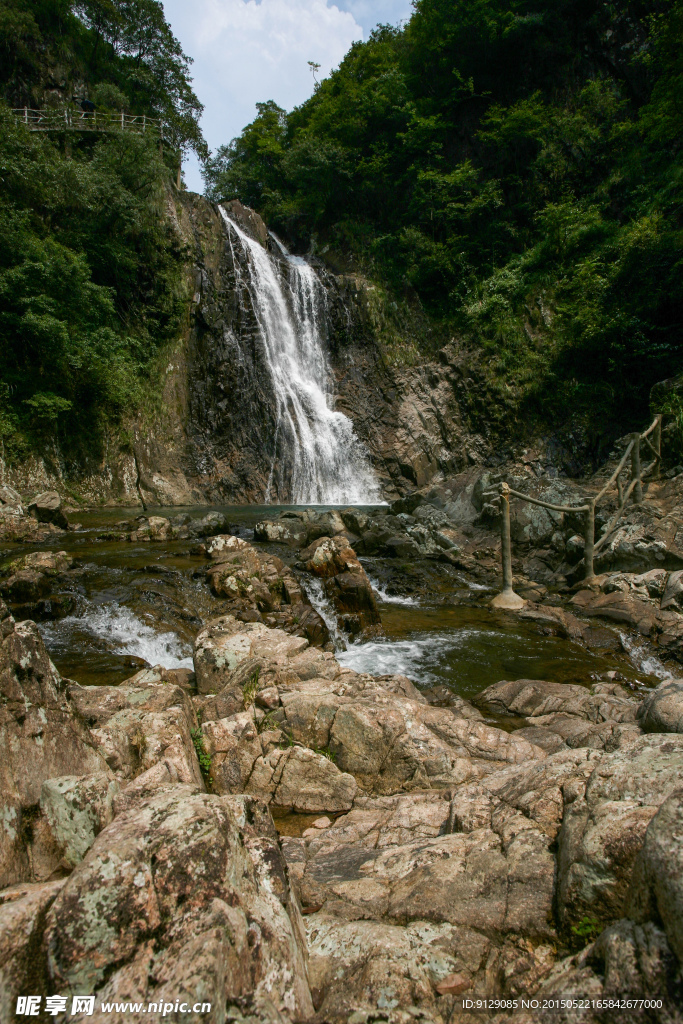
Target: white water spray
<point x="317" y="458"/>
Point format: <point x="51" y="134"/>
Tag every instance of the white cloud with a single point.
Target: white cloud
<point x="369" y="13"/>
<point x="246" y="52"/>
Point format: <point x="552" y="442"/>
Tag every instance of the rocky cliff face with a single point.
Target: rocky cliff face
<point x="210" y="435"/>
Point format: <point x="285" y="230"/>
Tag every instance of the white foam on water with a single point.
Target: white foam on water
<point x="415" y="658"/>
<point x="120" y="631"/>
<point x="387" y="598"/>
<point x="316" y="595"/>
<point x="643" y="659"/>
<point x="317" y="457"/>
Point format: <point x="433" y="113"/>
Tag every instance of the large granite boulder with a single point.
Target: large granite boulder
<point x="29" y="587"/>
<point x="604" y="826"/>
<point x="259" y="587"/>
<point x="42" y="736"/>
<point x="137" y="724"/>
<point x="662" y="708"/>
<point x="657" y="889"/>
<point x="602" y="716"/>
<point x="183" y="897"/>
<point x="22" y="919"/>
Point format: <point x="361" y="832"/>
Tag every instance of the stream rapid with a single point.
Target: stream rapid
<point x="143" y="603"/>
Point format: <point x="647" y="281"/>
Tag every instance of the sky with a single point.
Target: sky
<point x="246" y="52"/>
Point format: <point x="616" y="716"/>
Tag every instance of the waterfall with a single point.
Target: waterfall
<point x="317" y="458"/>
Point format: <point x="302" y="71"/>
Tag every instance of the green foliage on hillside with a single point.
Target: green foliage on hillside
<point x="517" y="165"/>
<point x="90" y="271"/>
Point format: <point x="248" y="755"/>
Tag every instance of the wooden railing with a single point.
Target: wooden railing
<point x="508" y="599"/>
<point x="72" y="119"/>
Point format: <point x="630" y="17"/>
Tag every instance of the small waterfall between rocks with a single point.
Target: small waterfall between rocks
<point x="317" y="458"/>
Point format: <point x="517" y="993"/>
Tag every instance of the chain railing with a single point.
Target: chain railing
<point x="508" y="599"/>
<point x="72" y="119"/>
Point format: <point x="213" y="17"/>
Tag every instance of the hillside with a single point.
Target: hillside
<point x="511" y="169"/>
<point x="90" y="269"/>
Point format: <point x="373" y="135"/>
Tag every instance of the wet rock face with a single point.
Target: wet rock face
<point x="37" y="585"/>
<point x="260" y="588"/>
<point x="346" y="585"/>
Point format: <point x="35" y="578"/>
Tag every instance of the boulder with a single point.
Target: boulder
<point x="184" y="897"/>
<point x="138" y="723"/>
<point x="22" y="919"/>
<point x="394" y="741"/>
<point x="657" y="890"/>
<point x="291" y="532"/>
<point x="627" y="962"/>
<point x="346" y="585"/>
<point x="51" y="563"/>
<point x="230" y="654"/>
<point x="601" y="716"/>
<point x="222" y="645"/>
<point x="302" y="780"/>
<point x="259" y="587"/>
<point x="160" y="776"/>
<point x="47" y="508"/>
<point x="76" y="809"/>
<point x="535" y="697"/>
<point x="208" y="526"/>
<point x="233" y="744"/>
<point x="618" y="607"/>
<point x="662" y="708"/>
<point x="42" y="736"/>
<point x="10" y="500"/>
<point x="25" y="586"/>
<point x="360" y="968"/>
<point x="604" y="824"/>
<point x="468" y="880"/>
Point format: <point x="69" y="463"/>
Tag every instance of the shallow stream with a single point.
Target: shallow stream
<point x="140" y="603"/>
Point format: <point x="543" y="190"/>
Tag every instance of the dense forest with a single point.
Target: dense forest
<point x="89" y="268"/>
<point x="515" y="168"/>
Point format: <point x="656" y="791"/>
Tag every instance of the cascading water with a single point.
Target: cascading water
<point x="317" y="458"/>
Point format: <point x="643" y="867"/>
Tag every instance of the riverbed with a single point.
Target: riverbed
<point x="144" y="602"/>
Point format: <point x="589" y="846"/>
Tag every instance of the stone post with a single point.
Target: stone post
<point x="635" y="470"/>
<point x="589" y="537"/>
<point x="507" y="600"/>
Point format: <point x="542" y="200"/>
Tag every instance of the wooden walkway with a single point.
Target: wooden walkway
<point x="72" y="119"/>
<point x="652" y="438"/>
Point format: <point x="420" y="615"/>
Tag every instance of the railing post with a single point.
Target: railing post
<point x="589" y="538"/>
<point x="507" y="599"/>
<point x="25" y="115"/>
<point x="657" y="444"/>
<point x="122" y="121"/>
<point x="635" y="470"/>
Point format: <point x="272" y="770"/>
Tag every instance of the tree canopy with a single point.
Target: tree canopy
<point x="90" y="269"/>
<point x="516" y="165"/>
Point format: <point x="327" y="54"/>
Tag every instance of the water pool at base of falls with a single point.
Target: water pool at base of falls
<point x="144" y="603"/>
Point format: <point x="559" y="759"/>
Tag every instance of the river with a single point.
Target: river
<point x="143" y="603"/>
